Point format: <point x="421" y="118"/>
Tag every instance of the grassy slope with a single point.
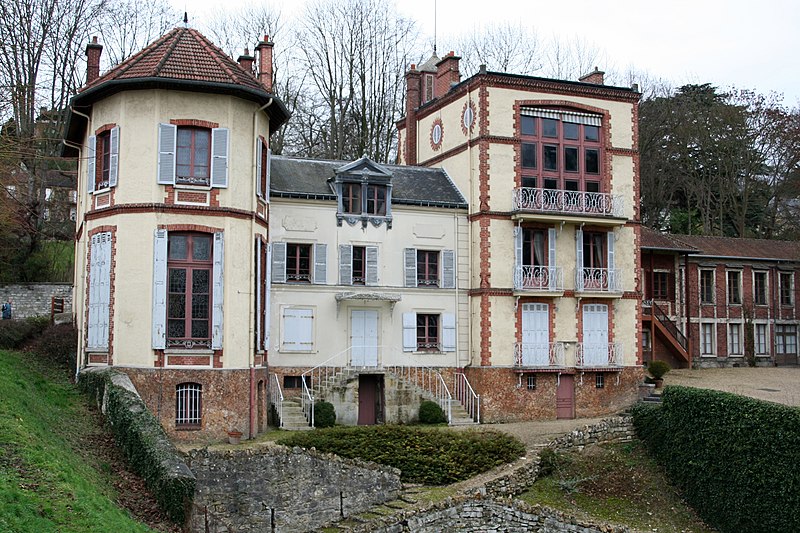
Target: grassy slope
<point x="44" y="485"/>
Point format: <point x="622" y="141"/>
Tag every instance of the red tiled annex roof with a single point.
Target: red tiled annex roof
<point x="655" y="240"/>
<point x="181" y="54"/>
<point x="737" y="248"/>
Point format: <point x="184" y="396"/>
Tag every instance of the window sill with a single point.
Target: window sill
<point x="189" y="351"/>
<point x="708" y="355"/>
<point x="190" y="187"/>
<point x="97" y="350"/>
<point x="101" y="191"/>
<point x="188" y="428"/>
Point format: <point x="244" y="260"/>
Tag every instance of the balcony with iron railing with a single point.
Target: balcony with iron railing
<point x="601" y="280"/>
<point x="599" y="355"/>
<point x="578" y="204"/>
<point x="539" y="355"/>
<point x="538" y="278"/>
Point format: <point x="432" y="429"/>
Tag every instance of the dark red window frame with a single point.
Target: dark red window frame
<point x="359" y="265"/>
<point x="298" y="262"/>
<point x="594" y="249"/>
<point x="428" y="333"/>
<point x="197" y="171"/>
<point x="661" y="286"/>
<point x="376" y="200"/>
<point x="427" y="268"/>
<point x="529" y="246"/>
<point x="351" y="198"/>
<point x="785" y="286"/>
<point x="264" y="169"/>
<point x="189" y="297"/>
<point x="103" y="161"/>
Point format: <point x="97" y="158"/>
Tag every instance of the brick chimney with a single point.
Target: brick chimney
<point x="264" y="49"/>
<point x="447" y="74"/>
<point x="246" y="61"/>
<point x="596" y="77"/>
<point x="93" y="51"/>
<point x="413" y="91"/>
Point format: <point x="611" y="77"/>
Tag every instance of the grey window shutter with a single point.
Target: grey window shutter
<point x="279" y="262"/>
<point x="91" y="326"/>
<point x="267" y="296"/>
<point x="269" y="174"/>
<point x="410" y="262"/>
<point x="372" y="265"/>
<point x="409" y="332"/>
<point x="320" y="264"/>
<point x="219" y="157"/>
<point x="448" y="332"/>
<point x="159" y="289"/>
<point x="298" y="329"/>
<point x="259" y="153"/>
<point x="113" y="157"/>
<point x="259" y="316"/>
<point x="167" y="139"/>
<point x="518" y="275"/>
<point x="610" y="250"/>
<point x="345" y="264"/>
<point x="579" y="259"/>
<point x="91" y="163"/>
<point x="448" y="269"/>
<point x="217" y="295"/>
<point x="551" y="256"/>
<point x="99" y="291"/>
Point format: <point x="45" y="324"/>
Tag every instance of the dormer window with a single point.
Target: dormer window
<point x="364" y="191"/>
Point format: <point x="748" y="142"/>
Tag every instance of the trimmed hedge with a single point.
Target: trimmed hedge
<point x="142" y="439"/>
<point x="735" y="459"/>
<point x="429" y="456"/>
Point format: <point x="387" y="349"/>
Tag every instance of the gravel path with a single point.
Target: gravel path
<point x="539" y="433"/>
<point x="781" y="385"/>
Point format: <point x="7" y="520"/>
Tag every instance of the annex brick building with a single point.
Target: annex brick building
<point x="550" y="171"/>
<point x="172" y="207"/>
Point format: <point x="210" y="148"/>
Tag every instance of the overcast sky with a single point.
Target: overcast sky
<point x="740" y="43"/>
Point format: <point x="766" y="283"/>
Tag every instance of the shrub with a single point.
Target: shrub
<point x="431" y="413"/>
<point x="734" y="458"/>
<point x="429" y="456"/>
<point x="658" y="368"/>
<point x="14" y="333"/>
<point x="59" y="344"/>
<point x="324" y="414"/>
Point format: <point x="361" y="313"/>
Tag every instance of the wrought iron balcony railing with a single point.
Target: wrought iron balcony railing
<point x="598" y="279"/>
<point x="579" y="203"/>
<point x="538" y="278"/>
<point x="598" y="354"/>
<point x="540" y="355"/>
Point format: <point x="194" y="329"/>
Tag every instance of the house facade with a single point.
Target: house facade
<point x="733" y="300"/>
<point x="368" y="271"/>
<point x="172" y="211"/>
<point x="550" y="171"/>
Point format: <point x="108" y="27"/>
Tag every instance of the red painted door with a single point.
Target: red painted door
<point x="370" y="399"/>
<point x="565" y="397"/>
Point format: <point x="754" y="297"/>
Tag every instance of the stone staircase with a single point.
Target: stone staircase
<point x="653" y="397"/>
<point x="293" y="417"/>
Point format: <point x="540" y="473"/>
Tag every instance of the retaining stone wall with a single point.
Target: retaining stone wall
<point x="33" y="299"/>
<point x="275" y="488"/>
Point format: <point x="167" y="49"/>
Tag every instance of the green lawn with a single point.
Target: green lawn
<point x="44" y="484"/>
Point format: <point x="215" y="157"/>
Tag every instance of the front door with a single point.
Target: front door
<point x="535" y="335"/>
<point x="565" y="397"/>
<point x="370" y="399"/>
<point x="364" y="337"/>
<point x="595" y="335"/>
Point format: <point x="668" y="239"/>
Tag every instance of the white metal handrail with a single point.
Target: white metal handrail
<point x="307" y="402"/>
<point x="276" y="398"/>
<point x="598" y="279"/>
<point x="543" y="354"/>
<point x="466" y="395"/>
<point x="599" y="354"/>
<point x="538" y="278"/>
<point x="567" y="202"/>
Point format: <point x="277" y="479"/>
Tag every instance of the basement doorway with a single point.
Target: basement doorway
<point x="370" y="399"/>
<point x="565" y="397"/>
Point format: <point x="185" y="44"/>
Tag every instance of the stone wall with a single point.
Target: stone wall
<point x="33" y="299"/>
<point x="275" y="488"/>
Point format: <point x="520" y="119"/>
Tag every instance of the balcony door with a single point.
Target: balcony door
<point x="595" y="335"/>
<point x="535" y="335"/>
<point x="364" y="337"/>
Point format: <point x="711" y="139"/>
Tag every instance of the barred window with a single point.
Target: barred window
<point x="188" y="405"/>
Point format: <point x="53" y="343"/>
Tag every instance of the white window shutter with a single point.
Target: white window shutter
<point x="219" y="157"/>
<point x="448" y="332"/>
<point x="259" y="153"/>
<point x="269" y="174"/>
<point x="258" y="287"/>
<point x="579" y="259"/>
<point x="345" y="264"/>
<point x="91" y="326"/>
<point x="217" y="294"/>
<point x="91" y="162"/>
<point x="551" y="256"/>
<point x="99" y="292"/>
<point x="167" y="139"/>
<point x="298" y="330"/>
<point x="518" y="256"/>
<point x="611" y="250"/>
<point x="410" y="263"/>
<point x="409" y="332"/>
<point x="113" y="157"/>
<point x="320" y="264"/>
<point x="160" y="289"/>
<point x="278" y="262"/>
<point x="372" y="265"/>
<point x="448" y="269"/>
<point x="267" y="297"/>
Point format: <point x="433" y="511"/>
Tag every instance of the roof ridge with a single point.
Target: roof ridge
<point x="214" y="52"/>
<point x="168" y="53"/>
<point x="133" y="60"/>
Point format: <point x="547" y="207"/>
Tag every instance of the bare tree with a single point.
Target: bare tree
<point x="127" y="26"/>
<point x="502" y="47"/>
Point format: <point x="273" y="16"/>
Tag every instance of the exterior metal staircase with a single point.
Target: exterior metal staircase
<point x="668" y="329"/>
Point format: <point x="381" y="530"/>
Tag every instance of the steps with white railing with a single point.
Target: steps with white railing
<point x="293" y="417"/>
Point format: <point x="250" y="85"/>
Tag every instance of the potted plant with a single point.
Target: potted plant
<point x="234" y="436"/>
<point x="657" y="369"/>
